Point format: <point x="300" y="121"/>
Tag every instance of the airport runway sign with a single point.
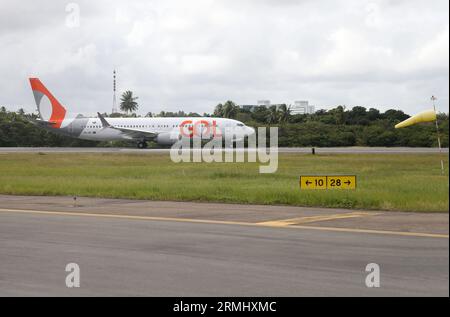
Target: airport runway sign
<point x="328" y="182"/>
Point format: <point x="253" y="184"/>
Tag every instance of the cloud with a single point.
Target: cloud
<point x="192" y="55"/>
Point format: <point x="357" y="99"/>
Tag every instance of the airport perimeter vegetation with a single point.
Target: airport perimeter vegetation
<point x="325" y="128"/>
<point x="395" y="182"/>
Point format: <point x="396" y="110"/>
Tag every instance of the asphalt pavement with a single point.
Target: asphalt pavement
<point x="141" y="248"/>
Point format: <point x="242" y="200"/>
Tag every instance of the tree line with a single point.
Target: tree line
<point x="339" y="126"/>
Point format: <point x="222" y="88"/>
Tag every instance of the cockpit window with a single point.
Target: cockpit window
<point x="240" y="125"/>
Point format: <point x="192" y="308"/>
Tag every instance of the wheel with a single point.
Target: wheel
<point x="142" y="145"/>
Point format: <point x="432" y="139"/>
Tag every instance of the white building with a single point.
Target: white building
<point x="259" y="103"/>
<point x="302" y="107"/>
<point x="299" y="107"/>
<point x="264" y="103"/>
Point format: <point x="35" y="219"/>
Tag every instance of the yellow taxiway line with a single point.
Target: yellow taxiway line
<point x="303" y="220"/>
<point x="131" y="217"/>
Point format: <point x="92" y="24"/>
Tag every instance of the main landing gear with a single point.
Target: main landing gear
<point x="142" y="145"/>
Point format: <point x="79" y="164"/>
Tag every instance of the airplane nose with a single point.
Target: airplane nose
<point x="250" y="131"/>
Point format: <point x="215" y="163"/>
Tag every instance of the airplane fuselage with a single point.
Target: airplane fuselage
<point x="166" y="130"/>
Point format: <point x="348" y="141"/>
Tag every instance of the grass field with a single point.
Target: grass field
<point x="385" y="181"/>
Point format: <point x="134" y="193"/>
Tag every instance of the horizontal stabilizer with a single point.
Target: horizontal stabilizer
<point x="43" y="123"/>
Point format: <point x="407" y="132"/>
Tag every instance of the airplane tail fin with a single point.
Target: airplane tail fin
<point x="48" y="106"/>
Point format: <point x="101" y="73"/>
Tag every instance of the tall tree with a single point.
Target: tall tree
<point x="128" y="102"/>
<point x="285" y="113"/>
<point x="373" y="114"/>
<point x="339" y="114"/>
<point x="272" y="116"/>
<point x="230" y="109"/>
<point x="218" y="111"/>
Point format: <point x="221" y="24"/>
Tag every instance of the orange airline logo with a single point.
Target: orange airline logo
<point x="190" y="129"/>
<point x="58" y="111"/>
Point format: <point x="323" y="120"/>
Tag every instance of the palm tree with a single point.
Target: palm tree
<point x="272" y="115"/>
<point x="230" y="109"/>
<point x="128" y="103"/>
<point x="285" y="113"/>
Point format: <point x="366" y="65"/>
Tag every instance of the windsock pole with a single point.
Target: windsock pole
<point x="433" y="98"/>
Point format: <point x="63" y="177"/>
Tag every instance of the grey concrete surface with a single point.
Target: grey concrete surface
<point x="142" y="257"/>
<point x="341" y="150"/>
<point x="157" y="258"/>
<point x="436" y="223"/>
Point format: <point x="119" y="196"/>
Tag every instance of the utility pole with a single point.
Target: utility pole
<point x="433" y="99"/>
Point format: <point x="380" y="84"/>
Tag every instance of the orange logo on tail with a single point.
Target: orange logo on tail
<point x="58" y="111"/>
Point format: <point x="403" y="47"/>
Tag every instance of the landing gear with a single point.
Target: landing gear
<point x="142" y="145"/>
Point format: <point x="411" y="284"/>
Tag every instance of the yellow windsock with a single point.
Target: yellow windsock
<point x="424" y="116"/>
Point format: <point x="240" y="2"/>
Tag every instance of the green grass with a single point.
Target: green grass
<point x="385" y="181"/>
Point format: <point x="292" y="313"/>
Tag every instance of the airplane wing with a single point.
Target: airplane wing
<point x="130" y="133"/>
<point x="42" y="123"/>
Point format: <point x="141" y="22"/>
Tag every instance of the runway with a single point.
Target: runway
<point x="330" y="150"/>
<point x="145" y="248"/>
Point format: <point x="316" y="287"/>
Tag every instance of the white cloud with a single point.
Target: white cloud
<point x="434" y="53"/>
<point x="193" y="54"/>
<point x="353" y="53"/>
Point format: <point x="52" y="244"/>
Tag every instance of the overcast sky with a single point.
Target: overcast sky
<point x="191" y="55"/>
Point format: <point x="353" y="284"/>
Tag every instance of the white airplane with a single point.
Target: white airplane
<point x="166" y="131"/>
